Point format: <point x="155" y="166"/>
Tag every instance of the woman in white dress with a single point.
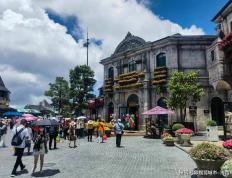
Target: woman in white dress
<point x="40" y="148"/>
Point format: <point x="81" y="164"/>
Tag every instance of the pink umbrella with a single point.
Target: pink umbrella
<point x="29" y="117"/>
<point x="157" y="111"/>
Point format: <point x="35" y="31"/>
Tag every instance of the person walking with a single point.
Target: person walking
<point x="53" y="133"/>
<point x="3" y="131"/>
<point x="100" y="131"/>
<point x="40" y="148"/>
<point x="82" y="127"/>
<point x="90" y="128"/>
<point x="18" y="141"/>
<point x="78" y="128"/>
<point x="72" y="135"/>
<point x="118" y="130"/>
<point x="28" y="140"/>
<point x="65" y="127"/>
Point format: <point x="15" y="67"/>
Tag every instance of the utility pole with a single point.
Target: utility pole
<point x="87" y="45"/>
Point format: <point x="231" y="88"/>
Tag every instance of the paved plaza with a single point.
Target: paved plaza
<point x="139" y="158"/>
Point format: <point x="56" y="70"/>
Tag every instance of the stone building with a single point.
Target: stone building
<point x="4" y="97"/>
<point x="219" y="62"/>
<point x="137" y="70"/>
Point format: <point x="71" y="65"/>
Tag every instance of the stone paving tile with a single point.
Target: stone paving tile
<point x="139" y="158"/>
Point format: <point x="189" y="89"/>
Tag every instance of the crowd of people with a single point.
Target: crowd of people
<point x="25" y="133"/>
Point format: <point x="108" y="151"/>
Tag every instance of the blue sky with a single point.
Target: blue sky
<point x="188" y="12"/>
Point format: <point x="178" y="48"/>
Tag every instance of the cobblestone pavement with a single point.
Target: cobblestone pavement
<point x="139" y="158"/>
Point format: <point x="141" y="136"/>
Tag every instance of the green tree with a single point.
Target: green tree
<point x="81" y="86"/>
<point x="183" y="87"/>
<point x="59" y="93"/>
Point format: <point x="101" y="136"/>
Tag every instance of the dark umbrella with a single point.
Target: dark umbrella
<point x="46" y="122"/>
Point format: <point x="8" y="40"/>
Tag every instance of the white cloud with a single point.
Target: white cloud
<point x="34" y="49"/>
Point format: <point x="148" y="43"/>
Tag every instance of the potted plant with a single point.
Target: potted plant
<point x="228" y="145"/>
<point x="226" y="169"/>
<point x="176" y="127"/>
<point x="209" y="157"/>
<point x="185" y="135"/>
<point x="169" y="141"/>
<point x="167" y="129"/>
<point x="164" y="135"/>
<point x="212" y="131"/>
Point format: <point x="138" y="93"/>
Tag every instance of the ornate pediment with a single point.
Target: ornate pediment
<point x="129" y="42"/>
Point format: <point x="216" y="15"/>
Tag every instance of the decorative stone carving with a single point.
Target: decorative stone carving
<point x="129" y="42"/>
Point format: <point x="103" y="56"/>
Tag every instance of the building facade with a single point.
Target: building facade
<point x="4" y="97"/>
<point x="135" y="75"/>
<point x="219" y="62"/>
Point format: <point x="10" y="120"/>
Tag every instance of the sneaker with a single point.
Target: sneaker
<point x="13" y="174"/>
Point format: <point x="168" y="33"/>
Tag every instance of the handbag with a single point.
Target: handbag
<point x="57" y="139"/>
<point x="104" y="137"/>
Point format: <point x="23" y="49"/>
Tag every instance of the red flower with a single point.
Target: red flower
<point x="184" y="131"/>
<point x="227" y="144"/>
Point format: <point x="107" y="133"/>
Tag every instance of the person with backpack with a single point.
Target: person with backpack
<point x="90" y="128"/>
<point x="20" y="134"/>
<point x="53" y="133"/>
<point x="118" y="130"/>
<point x="3" y="131"/>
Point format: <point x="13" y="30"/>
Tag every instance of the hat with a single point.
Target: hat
<point x="119" y="120"/>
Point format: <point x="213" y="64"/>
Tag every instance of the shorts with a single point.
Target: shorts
<point x="38" y="152"/>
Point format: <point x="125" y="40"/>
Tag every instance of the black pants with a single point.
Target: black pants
<point x="82" y="132"/>
<point x="90" y="134"/>
<point x="118" y="139"/>
<point x="65" y="133"/>
<point x="19" y="154"/>
<point x="78" y="133"/>
<point x="52" y="138"/>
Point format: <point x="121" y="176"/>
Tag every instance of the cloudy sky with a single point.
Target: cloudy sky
<point x="42" y="39"/>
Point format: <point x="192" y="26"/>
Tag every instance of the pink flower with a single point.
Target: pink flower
<point x="227" y="144"/>
<point x="184" y="131"/>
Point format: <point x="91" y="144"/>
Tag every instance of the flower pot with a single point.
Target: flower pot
<point x="179" y="140"/>
<point x="209" y="165"/>
<point x="212" y="133"/>
<point x="186" y="140"/>
<point x="169" y="143"/>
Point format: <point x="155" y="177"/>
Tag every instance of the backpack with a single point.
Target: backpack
<point x="17" y="140"/>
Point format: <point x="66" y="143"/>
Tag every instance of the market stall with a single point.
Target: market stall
<point x="153" y="129"/>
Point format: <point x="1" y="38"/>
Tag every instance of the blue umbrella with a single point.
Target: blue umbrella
<point x="12" y="114"/>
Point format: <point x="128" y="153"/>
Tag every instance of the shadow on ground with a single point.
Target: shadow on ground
<point x="25" y="171"/>
<point x="47" y="173"/>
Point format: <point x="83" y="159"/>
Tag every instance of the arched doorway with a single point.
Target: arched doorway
<point x="217" y="110"/>
<point x="164" y="117"/>
<point x="110" y="110"/>
<point x="133" y="108"/>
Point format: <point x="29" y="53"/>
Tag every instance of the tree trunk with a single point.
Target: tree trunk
<point x="184" y="114"/>
<point x="181" y="114"/>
